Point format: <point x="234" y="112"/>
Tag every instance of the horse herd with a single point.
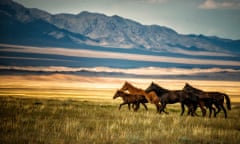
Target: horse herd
<point x="189" y="96"/>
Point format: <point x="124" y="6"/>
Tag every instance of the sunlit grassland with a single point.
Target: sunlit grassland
<point x="76" y="109"/>
<point x="97" y="88"/>
<point x="36" y="120"/>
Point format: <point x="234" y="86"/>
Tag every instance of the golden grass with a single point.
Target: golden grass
<point x="97" y="88"/>
<point x="36" y="120"/>
<point x="75" y="109"/>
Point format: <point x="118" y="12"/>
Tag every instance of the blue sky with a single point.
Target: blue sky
<point x="209" y="17"/>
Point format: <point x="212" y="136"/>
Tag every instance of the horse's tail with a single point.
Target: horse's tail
<point x="227" y="101"/>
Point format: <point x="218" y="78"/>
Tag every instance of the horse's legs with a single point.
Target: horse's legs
<point x="133" y="106"/>
<point x="144" y="106"/>
<point x="162" y="108"/>
<point x="214" y="110"/>
<point x="225" y="112"/>
<point x="210" y="111"/>
<point x="129" y="106"/>
<point x="122" y="105"/>
<point x="157" y="106"/>
<point x="201" y="105"/>
<point x="194" y="109"/>
<point x="183" y="109"/>
<point x="191" y="110"/>
<point x="137" y="106"/>
<point x="218" y="107"/>
<point x="156" y="102"/>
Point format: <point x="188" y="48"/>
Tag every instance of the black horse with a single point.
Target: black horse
<point x="173" y="96"/>
<point x="216" y="98"/>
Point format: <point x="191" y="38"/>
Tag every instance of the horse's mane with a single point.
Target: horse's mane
<point x="193" y="88"/>
<point x="124" y="93"/>
<point x="132" y="85"/>
<point x="158" y="89"/>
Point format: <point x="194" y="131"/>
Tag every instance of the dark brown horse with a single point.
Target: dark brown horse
<point x="170" y="97"/>
<point x="207" y="102"/>
<point x="216" y="98"/>
<point x="151" y="97"/>
<point x="130" y="99"/>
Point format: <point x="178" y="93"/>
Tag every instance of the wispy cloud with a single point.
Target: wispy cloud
<point x="114" y="55"/>
<point x="149" y="1"/>
<point x="199" y="53"/>
<point x="147" y="71"/>
<point x="154" y="1"/>
<point x="219" y="4"/>
<point x="39" y="59"/>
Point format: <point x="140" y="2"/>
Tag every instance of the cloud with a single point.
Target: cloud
<point x="40" y="59"/>
<point x="199" y="53"/>
<point x="149" y="1"/>
<point x="147" y="71"/>
<point x="154" y="1"/>
<point x="220" y="4"/>
<point x="114" y="55"/>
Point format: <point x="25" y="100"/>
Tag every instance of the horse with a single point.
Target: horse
<point x="207" y="102"/>
<point x="173" y="96"/>
<point x="130" y="99"/>
<point x="151" y="97"/>
<point x="217" y="98"/>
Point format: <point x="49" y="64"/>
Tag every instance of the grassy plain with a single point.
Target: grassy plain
<point x="72" y="109"/>
<point x="35" y="120"/>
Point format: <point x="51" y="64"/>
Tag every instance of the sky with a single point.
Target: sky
<point x="209" y="17"/>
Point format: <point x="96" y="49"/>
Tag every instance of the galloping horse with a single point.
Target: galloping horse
<point x="170" y="97"/>
<point x="151" y="97"/>
<point x="130" y="99"/>
<point x="216" y="97"/>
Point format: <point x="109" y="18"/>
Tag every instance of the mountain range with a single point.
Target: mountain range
<point x="31" y="26"/>
<point x="35" y="41"/>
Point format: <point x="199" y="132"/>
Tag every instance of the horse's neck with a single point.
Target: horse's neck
<point x="197" y="90"/>
<point x="162" y="90"/>
<point x="132" y="88"/>
<point x="122" y="95"/>
<point x="126" y="96"/>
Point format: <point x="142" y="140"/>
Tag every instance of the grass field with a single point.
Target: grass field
<point x="35" y="120"/>
<point x="72" y="109"/>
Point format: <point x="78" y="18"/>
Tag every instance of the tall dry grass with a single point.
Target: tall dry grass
<point x="29" y="120"/>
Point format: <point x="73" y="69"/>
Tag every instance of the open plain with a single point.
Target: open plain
<point x="74" y="109"/>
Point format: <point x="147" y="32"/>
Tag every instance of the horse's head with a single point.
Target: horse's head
<point x="116" y="95"/>
<point x="119" y="93"/>
<point x="152" y="87"/>
<point x="125" y="86"/>
<point x="156" y="88"/>
<point x="187" y="87"/>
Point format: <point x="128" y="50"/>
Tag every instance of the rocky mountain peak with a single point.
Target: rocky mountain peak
<point x="116" y="31"/>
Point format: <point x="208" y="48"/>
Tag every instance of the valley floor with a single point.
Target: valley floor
<point x="65" y="120"/>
